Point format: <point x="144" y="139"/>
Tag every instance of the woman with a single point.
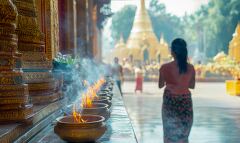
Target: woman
<point x="139" y="79"/>
<point x="177" y="112"/>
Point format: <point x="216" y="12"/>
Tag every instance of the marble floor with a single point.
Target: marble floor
<point x="216" y="114"/>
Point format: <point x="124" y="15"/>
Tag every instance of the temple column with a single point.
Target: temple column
<point x="68" y="26"/>
<point x="48" y="18"/>
<point x="71" y="27"/>
<point x="96" y="39"/>
<point x="82" y="28"/>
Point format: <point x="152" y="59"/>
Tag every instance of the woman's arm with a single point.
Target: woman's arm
<point x="192" y="81"/>
<point x="161" y="82"/>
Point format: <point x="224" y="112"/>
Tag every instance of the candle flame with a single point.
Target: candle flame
<point x="77" y="116"/>
<point x="91" y="93"/>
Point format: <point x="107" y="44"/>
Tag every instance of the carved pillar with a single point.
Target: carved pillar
<point x="62" y="7"/>
<point x="48" y="18"/>
<point x="37" y="68"/>
<point x="67" y="22"/>
<point x="95" y="32"/>
<point x="91" y="28"/>
<point x="82" y="28"/>
<point x="52" y="26"/>
<point x="13" y="93"/>
<point x="96" y="39"/>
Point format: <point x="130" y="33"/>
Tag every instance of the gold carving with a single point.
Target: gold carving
<point x="14" y="100"/>
<point x="36" y="66"/>
<point x="52" y="28"/>
<point x="16" y="115"/>
<point x="30" y="38"/>
<point x="8" y="12"/>
<point x="19" y="87"/>
<point x="43" y="99"/>
<point x="7" y="78"/>
<point x="36" y="77"/>
<point x="43" y="86"/>
<point x="13" y="93"/>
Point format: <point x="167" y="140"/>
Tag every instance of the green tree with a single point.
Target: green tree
<point x="217" y="21"/>
<point x="122" y="22"/>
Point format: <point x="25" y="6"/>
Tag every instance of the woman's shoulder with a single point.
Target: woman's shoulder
<point x="165" y="66"/>
<point x="191" y="67"/>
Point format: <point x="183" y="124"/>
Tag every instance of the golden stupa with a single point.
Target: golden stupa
<point x="142" y="44"/>
<point x="234" y="46"/>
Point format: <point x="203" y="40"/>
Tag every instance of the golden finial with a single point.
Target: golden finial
<point x="238" y="29"/>
<point x="121" y="40"/>
<point x="142" y="4"/>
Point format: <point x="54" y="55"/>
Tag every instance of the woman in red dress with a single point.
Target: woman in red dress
<point x="139" y="79"/>
<point x="178" y="76"/>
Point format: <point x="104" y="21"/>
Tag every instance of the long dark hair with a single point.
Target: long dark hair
<point x="179" y="48"/>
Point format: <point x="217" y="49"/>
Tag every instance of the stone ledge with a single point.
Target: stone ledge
<point x="10" y="132"/>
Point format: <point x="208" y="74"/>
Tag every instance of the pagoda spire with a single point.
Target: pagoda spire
<point x="161" y="38"/>
<point x="121" y="40"/>
<point x="234" y="45"/>
<point x="142" y="28"/>
<point x="142" y="5"/>
<point x="237" y="32"/>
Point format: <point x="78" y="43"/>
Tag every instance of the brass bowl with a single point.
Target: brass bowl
<point x="99" y="109"/>
<point x="105" y="90"/>
<point x="105" y="94"/>
<point x="89" y="131"/>
<point x="102" y="99"/>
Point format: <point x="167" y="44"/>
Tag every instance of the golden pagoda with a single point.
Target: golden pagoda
<point x="142" y="44"/>
<point x="234" y="46"/>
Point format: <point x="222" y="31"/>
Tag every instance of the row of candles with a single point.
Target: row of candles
<point x="87" y="98"/>
<point x="88" y="124"/>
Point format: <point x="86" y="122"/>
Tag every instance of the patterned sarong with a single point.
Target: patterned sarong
<point x="177" y="116"/>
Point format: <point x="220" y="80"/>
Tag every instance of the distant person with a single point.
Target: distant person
<point x="139" y="79"/>
<point x="117" y="72"/>
<point x="177" y="112"/>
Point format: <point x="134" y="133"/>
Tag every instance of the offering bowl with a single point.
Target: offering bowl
<point x="99" y="109"/>
<point x="90" y="130"/>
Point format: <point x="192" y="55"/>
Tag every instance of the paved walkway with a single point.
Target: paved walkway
<point x="216" y="115"/>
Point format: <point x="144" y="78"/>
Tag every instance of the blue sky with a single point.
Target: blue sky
<point x="176" y="7"/>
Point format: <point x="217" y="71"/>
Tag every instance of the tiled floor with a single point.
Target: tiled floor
<point x="216" y="115"/>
